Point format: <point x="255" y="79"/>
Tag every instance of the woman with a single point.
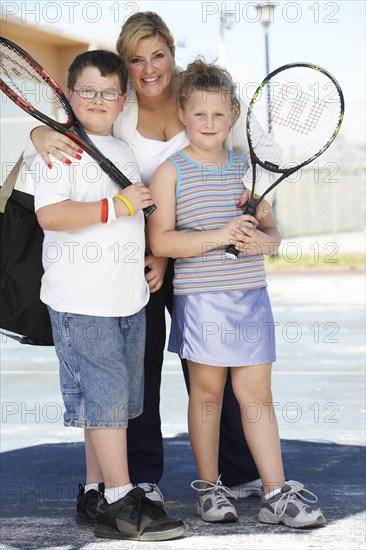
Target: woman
<point x="150" y="125"/>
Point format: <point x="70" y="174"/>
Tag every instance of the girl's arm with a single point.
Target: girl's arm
<point x="164" y="239"/>
<point x="263" y="239"/>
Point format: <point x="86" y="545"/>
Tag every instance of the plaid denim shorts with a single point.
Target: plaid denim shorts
<point x="101" y="367"/>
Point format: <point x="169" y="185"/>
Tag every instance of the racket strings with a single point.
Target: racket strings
<point x="299" y="109"/>
<point x="31" y="84"/>
<point x="292" y="120"/>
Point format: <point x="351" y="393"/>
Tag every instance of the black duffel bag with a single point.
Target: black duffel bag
<point x="21" y="238"/>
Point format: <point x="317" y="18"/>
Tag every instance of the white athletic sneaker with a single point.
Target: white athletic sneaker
<point x="291" y="508"/>
<point x="212" y="503"/>
<point x="254" y="488"/>
<point x="152" y="492"/>
<point x="245" y="490"/>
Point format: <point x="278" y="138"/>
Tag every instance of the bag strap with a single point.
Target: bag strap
<point x="25" y="339"/>
<point x="9" y="184"/>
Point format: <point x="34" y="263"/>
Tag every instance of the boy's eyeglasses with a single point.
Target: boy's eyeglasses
<point x="92" y="93"/>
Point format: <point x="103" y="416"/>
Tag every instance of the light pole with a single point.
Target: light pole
<point x="180" y="45"/>
<point x="265" y="11"/>
<point x="226" y="21"/>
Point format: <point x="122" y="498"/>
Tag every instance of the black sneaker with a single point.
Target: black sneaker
<point x="86" y="505"/>
<point x="135" y="517"/>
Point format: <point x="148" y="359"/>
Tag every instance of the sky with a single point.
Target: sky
<point x="326" y="33"/>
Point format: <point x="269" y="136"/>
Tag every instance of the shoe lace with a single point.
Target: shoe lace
<point x="140" y="500"/>
<point x="294" y="495"/>
<point x="218" y="489"/>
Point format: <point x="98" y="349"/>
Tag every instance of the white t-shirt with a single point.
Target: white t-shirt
<point x="98" y="270"/>
<point x="150" y="153"/>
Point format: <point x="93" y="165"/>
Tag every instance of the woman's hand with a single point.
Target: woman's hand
<point x="48" y="141"/>
<point x="155" y="272"/>
<point x="262" y="209"/>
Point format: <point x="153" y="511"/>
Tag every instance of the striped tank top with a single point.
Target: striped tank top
<point x="206" y="199"/>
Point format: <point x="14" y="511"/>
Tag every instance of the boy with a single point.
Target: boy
<point x="95" y="289"/>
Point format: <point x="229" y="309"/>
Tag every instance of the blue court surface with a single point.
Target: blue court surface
<point x="319" y="395"/>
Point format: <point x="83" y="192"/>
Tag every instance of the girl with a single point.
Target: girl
<point x="222" y="316"/>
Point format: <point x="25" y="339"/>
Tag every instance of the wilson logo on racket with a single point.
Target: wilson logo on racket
<point x="301" y="113"/>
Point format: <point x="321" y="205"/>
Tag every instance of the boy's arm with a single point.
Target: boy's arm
<point x="71" y="215"/>
<point x="57" y="212"/>
<point x="164" y="239"/>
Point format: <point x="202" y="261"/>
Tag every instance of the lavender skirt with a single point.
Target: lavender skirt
<point x="224" y="329"/>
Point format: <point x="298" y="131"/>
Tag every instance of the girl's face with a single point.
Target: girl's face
<point x="207" y="118"/>
<point x="151" y="69"/>
<point x="96" y="115"/>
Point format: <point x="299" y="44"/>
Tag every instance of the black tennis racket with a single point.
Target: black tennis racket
<point x="293" y="117"/>
<point x="29" y="85"/>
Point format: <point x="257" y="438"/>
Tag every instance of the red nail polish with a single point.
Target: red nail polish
<point x="67" y="161"/>
<point x="80" y="151"/>
<point x="238" y="205"/>
<point x="78" y="157"/>
<point x="49" y="166"/>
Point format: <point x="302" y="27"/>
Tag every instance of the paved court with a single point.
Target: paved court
<point x="319" y="391"/>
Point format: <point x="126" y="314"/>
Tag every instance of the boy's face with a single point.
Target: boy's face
<point x="96" y="115"/>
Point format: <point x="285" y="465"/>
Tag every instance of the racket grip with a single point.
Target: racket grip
<point x="149" y="210"/>
<point x="231" y="252"/>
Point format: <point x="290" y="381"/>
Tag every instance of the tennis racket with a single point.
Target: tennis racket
<point x="293" y="117"/>
<point x="29" y="85"/>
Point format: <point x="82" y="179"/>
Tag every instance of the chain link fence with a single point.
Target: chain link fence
<point x="322" y="198"/>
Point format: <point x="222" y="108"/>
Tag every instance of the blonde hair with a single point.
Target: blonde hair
<point x="207" y="77"/>
<point x="142" y="25"/>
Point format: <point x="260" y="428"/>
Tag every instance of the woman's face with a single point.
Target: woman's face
<point x="151" y="69"/>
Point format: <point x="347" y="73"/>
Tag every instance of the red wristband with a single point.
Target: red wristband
<point x="104" y="210"/>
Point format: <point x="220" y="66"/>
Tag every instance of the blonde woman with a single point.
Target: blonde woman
<point x="150" y="125"/>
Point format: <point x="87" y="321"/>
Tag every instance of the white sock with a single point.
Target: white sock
<point x="272" y="494"/>
<point x="115" y="493"/>
<point x="90" y="486"/>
